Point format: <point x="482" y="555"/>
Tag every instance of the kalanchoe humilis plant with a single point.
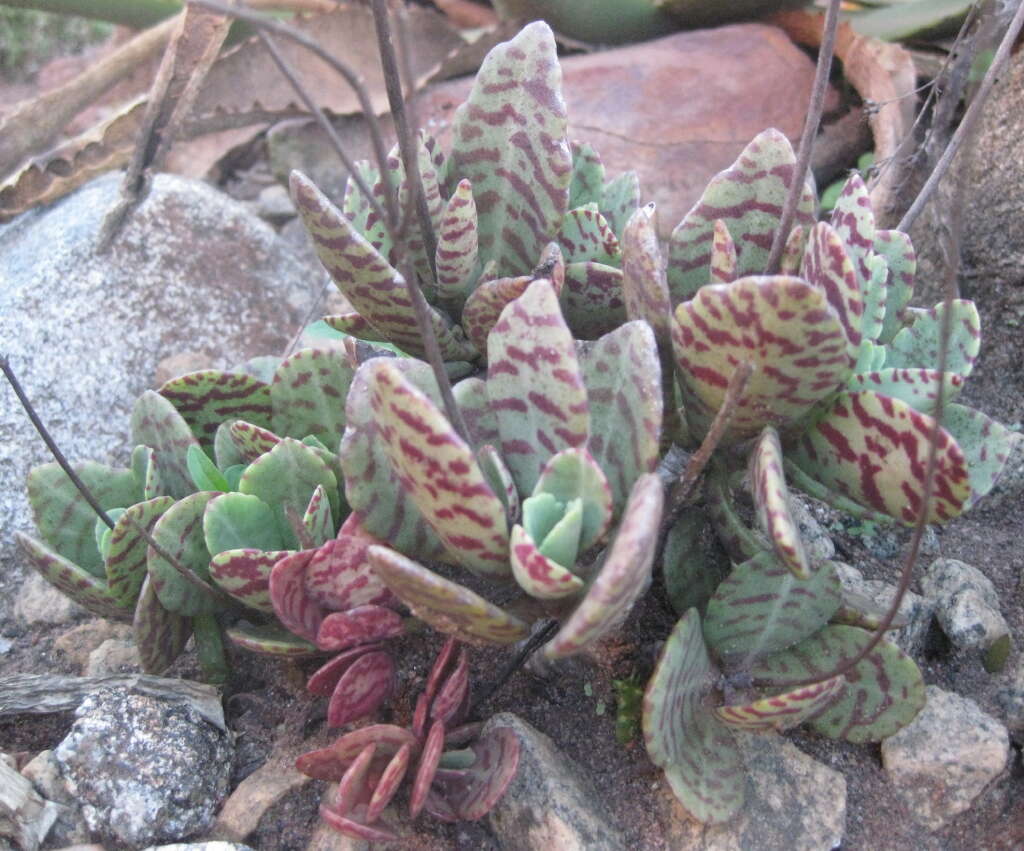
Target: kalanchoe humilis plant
<point x="456" y="773"/>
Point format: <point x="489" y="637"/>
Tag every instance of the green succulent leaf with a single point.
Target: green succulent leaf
<point x="793" y="251"/>
<point x="620" y="200"/>
<point x="562" y="543"/>
<point x="586" y="186"/>
<point x="772" y="502"/>
<point x="813" y="488"/>
<point x="160" y="635"/>
<point x="236" y="520"/>
<point x="538" y="574"/>
<point x="692" y="566"/>
<point x="509" y="141"/>
<point x="882" y="694"/>
<point x="500" y="480"/>
<point x="986" y="445"/>
<point x="101" y="532"/>
<point x="445" y="605"/>
<point x="876" y="295"/>
<point x="901" y="261"/>
<point x="574" y="474"/>
<point x="739" y="541"/>
<point x="251" y="440"/>
<point x="919" y="388"/>
<point x="918" y="345"/>
<point x="592" y="300"/>
<point x="748" y="198"/>
<point x="357" y="209"/>
<point x="245" y="575"/>
<point x="270" y="640"/>
<point x="457" y="245"/>
<point x="317" y="519"/>
<point x="854" y="222"/>
<point x="781" y="711"/>
<point x="157" y="424"/>
<point x="475" y="406"/>
<point x="644" y="287"/>
<point x="209" y="397"/>
<point x="204" y="473"/>
<point x="486" y="303"/>
<point x="308" y="395"/>
<point x="827" y="266"/>
<point x="225" y="453"/>
<point x="724" y="259"/>
<point x="179" y="532"/>
<point x="144" y="470"/>
<point x="125" y="558"/>
<point x="586" y="235"/>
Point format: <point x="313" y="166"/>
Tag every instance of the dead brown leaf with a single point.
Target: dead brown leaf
<point x="467" y="14"/>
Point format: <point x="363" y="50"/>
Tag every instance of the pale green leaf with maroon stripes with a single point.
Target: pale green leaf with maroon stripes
<point x="620" y="199"/>
<point x="919" y="344"/>
<point x="447" y="606"/>
<point x="535" y="384"/>
<point x="209" y="397"/>
<point x="793" y="251"/>
<point x="356" y="326"/>
<point x="537" y="574"/>
<point x="318" y="520"/>
<point x="574" y="474"/>
<point x="586" y="235"/>
<point x="985" y="443"/>
<point x="901" y="260"/>
<point x="245" y="574"/>
<point x="854" y="222"/>
<point x="622" y="374"/>
<point x="499" y="477"/>
<point x="431" y="179"/>
<point x="692" y="566"/>
<point x="882" y="694"/>
<point x="484" y="306"/>
<point x="592" y="299"/>
<point x="179" y="532"/>
<point x="783" y="326"/>
<point x="126" y="554"/>
<point x="644" y="289"/>
<point x="738" y="540"/>
<point x="308" y="395"/>
<point x="250" y="440"/>
<point x="236" y="520"/>
<point x="781" y="711"/>
<point x="698" y="754"/>
<point x="748" y="197"/>
<point x="157" y="424"/>
<point x="472" y="401"/>
<point x="270" y="640"/>
<point x="813" y="488"/>
<point x="225" y="453"/>
<point x="827" y="266"/>
<point x="772" y="502"/>
<point x="358" y="210"/>
<point x="438" y="471"/>
<point x="919" y="388"/>
<point x="625" y="573"/>
<point x="586" y="186"/>
<point x="160" y="635"/>
<point x="457" y="245"/>
<point x="509" y="141"/>
<point x="874" y="450"/>
<point x="761" y="607"/>
<point x="876" y="298"/>
<point x="724" y="259"/>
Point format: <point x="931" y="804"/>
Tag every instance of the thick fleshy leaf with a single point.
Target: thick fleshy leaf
<point x="362" y="688"/>
<point x="854" y="222"/>
<point x="439" y="472"/>
<point x="876" y="295"/>
<point x="357" y="208"/>
<point x="586" y="185"/>
<point x="354" y="828"/>
<point x="499" y="477"/>
<point x="723" y="255"/>
<point x="360" y="625"/>
<point x="624" y="575"/>
<point x="205" y="474"/>
<point x="250" y="440"/>
<point x="452" y="695"/>
<point x="813" y="488"/>
<point x="308" y="395"/>
<point x="901" y="260"/>
<point x="586" y="235"/>
<point x="317" y="519"/>
<point x="874" y="449"/>
<point x="324" y="679"/>
<point x="783" y="327"/>
<point x="883" y="692"/>
<point x="160" y="635"/>
<point x="390" y="779"/>
<point x="692" y="566"/>
<point x="748" y="198"/>
<point x="81" y="586"/>
<point x="781" y="711"/>
<point x="470" y="793"/>
<point x="918" y="345"/>
<point x="330" y="763"/>
<point x="270" y="640"/>
<point x="700" y="758"/>
<point x="620" y="200"/>
<point x="245" y="575"/>
<point x="475" y="406"/>
<point x="126" y="553"/>
<point x="352" y="787"/>
<point x="157" y="424"/>
<point x="339" y="576"/>
<point x="179" y="532"/>
<point x="429" y="760"/>
<point x="762" y="607"/>
<point x="771" y="499"/>
<point x="644" y="288"/>
<point x="209" y="397"/>
<point x="448" y="607"/>
<point x="485" y="305"/>
<point x="827" y="266"/>
<point x="296" y="608"/>
<point x="985" y="443"/>
<point x="793" y="252"/>
<point x="538" y="575"/>
<point x="355" y="326"/>
<point x="234" y="521"/>
<point x="146" y="472"/>
<point x="592" y="300"/>
<point x="574" y="474"/>
<point x="535" y="384"/>
<point x="509" y="141"/>
<point x="919" y="388"/>
<point x="739" y="541"/>
<point x="622" y="375"/>
<point x="456" y="258"/>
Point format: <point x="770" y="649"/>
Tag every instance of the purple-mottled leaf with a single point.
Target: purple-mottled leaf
<point x="207" y="398"/>
<point x="126" y="554"/>
<point x="339" y="576"/>
<point x="748" y="198"/>
<point x="357" y="208"/>
<point x="160" y="636"/>
<point x="854" y="223"/>
<point x="308" y="395"/>
<point x="723" y="255"/>
<point x="234" y="521"/>
<point x="356" y="326"/>
<point x="700" y="758"/>
<point x="330" y="763"/>
<point x="986" y="445"/>
<point x="317" y="519"/>
<point x="251" y="440"/>
<point x="874" y="450"/>
<point x="622" y="374"/>
<point x="474" y="405"/>
<point x="361" y="625"/>
<point x="624" y="576"/>
<point x="875" y="294"/>
<point x="619" y="200"/>
<point x="179" y="532"/>
<point x="456" y="257"/>
<point x="783" y="327"/>
<point x="586" y="235"/>
<point x="439" y="472"/>
<point x="452" y="695"/>
<point x="356" y="829"/>
<point x="81" y="586"/>
<point x="470" y="793"/>
<point x="535" y="384"/>
<point x="592" y="300"/>
<point x="390" y="780"/>
<point x="538" y="575"/>
<point x="352" y="786"/>
<point x="901" y="260"/>
<point x="429" y="759"/>
<point x="509" y="141"/>
<point x="781" y="711"/>
<point x="485" y="305"/>
<point x="448" y="607"/>
<point x="883" y="692"/>
<point x="574" y="474"/>
<point x="324" y="679"/>
<point x="761" y="607"/>
<point x="793" y="251"/>
<point x="692" y="566"/>
<point x="365" y="684"/>
<point x="499" y="477"/>
<point x="644" y="288"/>
<point x="772" y="502"/>
<point x="442" y="667"/>
<point x="918" y="345"/>
<point x="917" y="387"/>
<point x="245" y="575"/>
<point x="586" y="185"/>
<point x="827" y="266"/>
<point x="294" y="606"/>
<point x="270" y="640"/>
<point x="157" y="424"/>
<point x="146" y="472"/>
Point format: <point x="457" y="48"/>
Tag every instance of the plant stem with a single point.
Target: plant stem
<point x="811" y="122"/>
<point x="535" y="641"/>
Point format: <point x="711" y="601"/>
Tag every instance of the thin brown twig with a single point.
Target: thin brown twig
<point x="535" y="641"/>
<point x="814" y="110"/>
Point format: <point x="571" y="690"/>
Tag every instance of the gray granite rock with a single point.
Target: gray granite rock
<point x="966" y="604"/>
<point x="44" y="772"/>
<point x="144" y="770"/>
<point x="113" y="656"/>
<point x="817" y="543"/>
<point x="38" y="602"/>
<point x="943" y="759"/>
<point x="1009" y="697"/>
<point x="917" y="610"/>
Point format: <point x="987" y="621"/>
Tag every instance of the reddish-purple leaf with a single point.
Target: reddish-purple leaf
<point x="361" y="625"/>
<point x="362" y="688"/>
<point x="294" y="606"/>
<point x="470" y="793"/>
<point x="389" y="782"/>
<point x="245" y="575"/>
<point x="329" y="763"/>
<point x="429" y="760"/>
<point x="453" y="693"/>
<point x="771" y="499"/>
<point x="356" y="829"/>
<point x="323" y="681"/>
<point x="439" y="670"/>
<point x="352" y="785"/>
<point x="339" y="576"/>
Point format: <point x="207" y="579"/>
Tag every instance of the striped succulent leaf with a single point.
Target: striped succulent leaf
<point x="724" y="259"/>
<point x="318" y="520"/>
<point x="748" y="198"/>
<point x="457" y="245"/>
<point x="986" y="445"/>
<point x="125" y="559"/>
<point x="474" y="405"/>
<point x="270" y="640"/>
<point x="783" y="326"/>
<point x="250" y="440"/>
<point x="761" y="607"/>
<point x="793" y="251"/>
<point x="362" y="686"/>
<point x="883" y="692"/>
<point x="692" y="566"/>
<point x="854" y="222"/>
<point x="207" y="398"/>
<point x="339" y="576"/>
<point x="430" y="759"/>
<point x="585" y="234"/>
<point x="771" y="499"/>
<point x="499" y="477"/>
<point x="874" y="450"/>
<point x="485" y="304"/>
<point x="586" y="185"/>
<point x="625" y="573"/>
<point x="356" y="326"/>
<point x="592" y="300"/>
<point x="160" y="635"/>
<point x="537" y="574"/>
<point x="331" y="762"/>
<point x="919" y="388"/>
<point x="620" y="199"/>
<point x="827" y="266"/>
<point x="308" y="395"/>
<point x="918" y="345"/>
<point x="697" y="752"/>
<point x="468" y="794"/>
<point x="509" y="140"/>
<point x="901" y="261"/>
<point x="324" y="679"/>
<point x="644" y="288"/>
<point x="146" y="473"/>
<point x="535" y="384"/>
<point x="445" y="605"/>
<point x="245" y="575"/>
<point x="739" y="541"/>
<point x="439" y="472"/>
<point x="358" y="210"/>
<point x="359" y="625"/>
<point x="781" y="711"/>
<point x="296" y="608"/>
<point x="875" y="293"/>
<point x="157" y="424"/>
<point x="235" y="521"/>
<point x="179" y="532"/>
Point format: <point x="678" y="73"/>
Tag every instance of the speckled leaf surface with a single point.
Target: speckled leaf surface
<point x="900" y="258"/>
<point x="472" y="400"/>
<point x="748" y="198"/>
<point x="236" y="520"/>
<point x="160" y="635"/>
<point x="308" y="395"/>
<point x="538" y="575"/>
<point x="157" y="424"/>
<point x="918" y="345"/>
<point x="317" y="519"/>
<point x="586" y="235"/>
<point x="574" y="474"/>
<point x="358" y="210"/>
<point x="882" y="694"/>
<point x="813" y="488"/>
<point x="485" y="305"/>
<point x="457" y="247"/>
<point x="985" y="443"/>
<point x="438" y="471"/>
<point x="250" y="440"/>
<point x="874" y="450"/>
<point x="793" y="251"/>
<point x="448" y="607"/>
<point x="324" y="679"/>
<point x="644" y="288"/>
<point x="783" y="326"/>
<point x="390" y="779"/>
<point x="698" y="754"/>
<point x="827" y="266"/>
<point x="470" y="793"/>
<point x="245" y="575"/>
<point x="179" y="532"/>
<point x="917" y="387"/>
<point x="724" y="259"/>
<point x="361" y="689"/>
<point x="622" y="374"/>
<point x="87" y="590"/>
<point x="535" y="384"/>
<point x="207" y="398"/>
<point x="761" y="607"/>
<point x="296" y="608"/>
<point x="62" y="516"/>
<point x="772" y="502"/>
<point x="876" y="297"/>
<point x="143" y="465"/>
<point x="509" y="141"/>
<point x="781" y="711"/>
<point x="620" y="199"/>
<point x="691" y="566"/>
<point x="592" y="299"/>
<point x="359" y="625"/>
<point x="624" y="575"/>
<point x="125" y="561"/>
<point x="586" y="185"/>
<point x="339" y="576"/>
<point x="854" y="222"/>
<point x="355" y="326"/>
<point x="270" y="640"/>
